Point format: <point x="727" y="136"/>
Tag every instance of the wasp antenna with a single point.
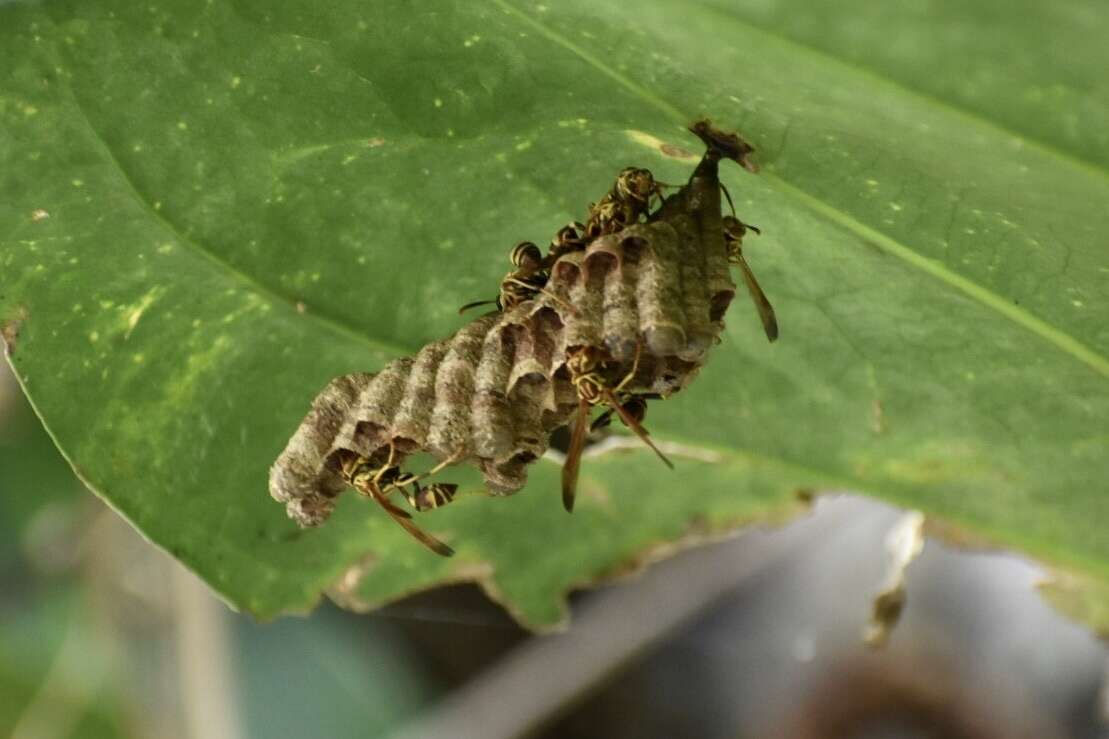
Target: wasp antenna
<point x="468" y="306"/>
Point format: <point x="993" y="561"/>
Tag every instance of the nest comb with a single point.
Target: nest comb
<point x="492" y="393"/>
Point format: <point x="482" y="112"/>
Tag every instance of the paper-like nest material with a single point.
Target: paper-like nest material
<point x="492" y="393"/>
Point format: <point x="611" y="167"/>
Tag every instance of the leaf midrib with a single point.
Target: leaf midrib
<point x="986" y="297"/>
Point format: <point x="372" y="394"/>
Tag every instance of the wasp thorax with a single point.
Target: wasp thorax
<point x="734" y="229"/>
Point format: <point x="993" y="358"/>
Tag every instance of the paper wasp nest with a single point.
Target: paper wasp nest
<point x="492" y="393"/>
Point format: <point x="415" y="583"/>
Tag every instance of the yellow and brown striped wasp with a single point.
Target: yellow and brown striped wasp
<point x="376" y="480"/>
<point x="635" y="184"/>
<point x="734" y="231"/>
<point x="586" y="368"/>
<point x="522" y="284"/>
<point x="570" y="237"/>
<point x="622" y="206"/>
<point x="609" y="215"/>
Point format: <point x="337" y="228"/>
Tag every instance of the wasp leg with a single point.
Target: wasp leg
<point x="631" y="373"/>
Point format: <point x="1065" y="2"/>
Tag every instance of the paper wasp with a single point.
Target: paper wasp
<point x="523" y="283"/>
<point x="586" y="367"/>
<point x="734" y="231"/>
<point x="570" y="237"/>
<point x="610" y="215"/>
<point x="376" y="480"/>
<point x="622" y="206"/>
<point x="639" y="185"/>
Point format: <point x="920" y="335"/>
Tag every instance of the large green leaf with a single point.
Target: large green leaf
<point x="210" y="209"/>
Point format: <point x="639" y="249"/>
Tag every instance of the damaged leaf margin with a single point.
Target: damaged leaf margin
<point x="678" y="524"/>
<point x="904" y="543"/>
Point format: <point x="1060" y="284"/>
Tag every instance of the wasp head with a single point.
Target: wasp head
<point x="636" y="184"/>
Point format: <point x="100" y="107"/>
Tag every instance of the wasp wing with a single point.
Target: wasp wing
<point x="766" y="310"/>
<point x="573" y="456"/>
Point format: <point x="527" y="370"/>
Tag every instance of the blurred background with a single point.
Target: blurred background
<point x="757" y="635"/>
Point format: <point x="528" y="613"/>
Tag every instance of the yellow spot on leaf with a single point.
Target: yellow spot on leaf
<point x="668" y="150"/>
<point x="136" y="313"/>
